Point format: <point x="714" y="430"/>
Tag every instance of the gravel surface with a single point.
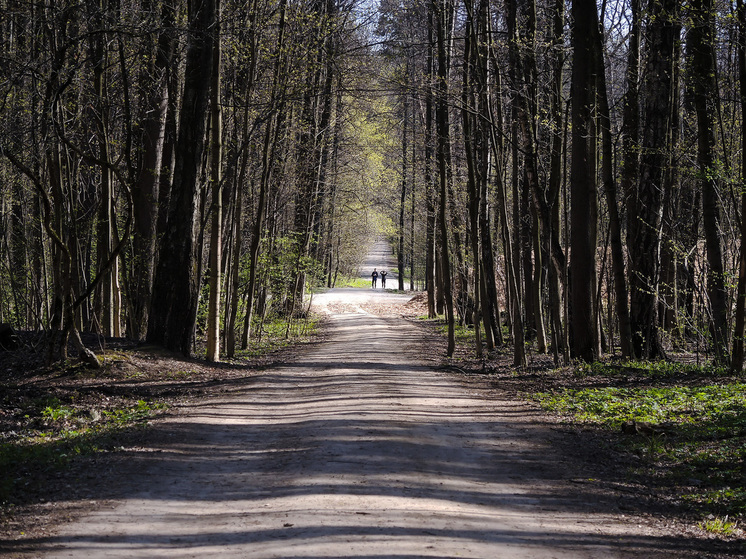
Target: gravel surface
<point x="362" y="447"/>
<point x="359" y="449"/>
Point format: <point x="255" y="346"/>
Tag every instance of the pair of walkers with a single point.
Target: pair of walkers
<point x="374" y="278"/>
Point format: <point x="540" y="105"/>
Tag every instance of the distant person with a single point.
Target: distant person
<point x="374" y="278"/>
<point x="383" y="279"/>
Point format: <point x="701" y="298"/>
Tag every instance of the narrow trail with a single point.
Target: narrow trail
<point x="359" y="449"/>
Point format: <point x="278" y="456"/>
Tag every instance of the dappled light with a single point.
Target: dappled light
<point x="359" y="448"/>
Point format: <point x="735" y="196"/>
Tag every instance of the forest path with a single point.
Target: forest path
<point x="358" y="449"/>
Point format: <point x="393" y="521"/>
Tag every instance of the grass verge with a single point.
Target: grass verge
<point x="53" y="418"/>
<point x="685" y="425"/>
<point x="52" y="434"/>
<point x="353" y="282"/>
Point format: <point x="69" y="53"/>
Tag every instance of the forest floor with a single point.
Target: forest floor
<point x="362" y="442"/>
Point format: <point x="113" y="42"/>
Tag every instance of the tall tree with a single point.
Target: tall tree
<point x="610" y="189"/>
<point x="583" y="183"/>
<point x="430" y="187"/>
<point x="150" y="137"/>
<point x="216" y="182"/>
<point x="700" y="44"/>
<point x="645" y="205"/>
<point x="176" y="288"/>
<point x="444" y="15"/>
<point x="404" y="171"/>
<point x="740" y="312"/>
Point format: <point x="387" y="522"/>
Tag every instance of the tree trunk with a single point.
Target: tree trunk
<point x="445" y="12"/>
<point x="583" y="183"/>
<point x="474" y="154"/>
<point x="502" y="224"/>
<point x="271" y="139"/>
<point x="609" y="186"/>
<point x="430" y="188"/>
<point x="146" y="190"/>
<point x="106" y="313"/>
<point x="403" y="197"/>
<point x="646" y="207"/>
<point x="740" y="313"/>
<point x="704" y="86"/>
<point x="176" y="288"/>
<point x="216" y="182"/>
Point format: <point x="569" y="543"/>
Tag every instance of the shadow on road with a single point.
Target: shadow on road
<point x="358" y="449"/>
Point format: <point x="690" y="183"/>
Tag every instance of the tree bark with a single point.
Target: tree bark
<point x="176" y="289"/>
<point x="146" y="189"/>
<point x="271" y="139"/>
<point x="740" y="312"/>
<point x="430" y="188"/>
<point x="646" y="205"/>
<point x="583" y="184"/>
<point x="216" y="183"/>
<point x="403" y="192"/>
<point x="444" y="10"/>
<point x="609" y="186"/>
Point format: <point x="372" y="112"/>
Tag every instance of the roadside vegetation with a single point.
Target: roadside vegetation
<point x="51" y="432"/>
<point x="353" y="282"/>
<point x="685" y="424"/>
<point x="672" y="429"/>
<point x="55" y="420"/>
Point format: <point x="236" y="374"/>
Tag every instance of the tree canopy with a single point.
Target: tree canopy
<point x="562" y="178"/>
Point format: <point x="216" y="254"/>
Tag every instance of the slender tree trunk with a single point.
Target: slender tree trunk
<point x="518" y="321"/>
<point x="316" y="115"/>
<point x="740" y="313"/>
<point x="235" y="264"/>
<point x="609" y="186"/>
<point x="238" y="197"/>
<point x="413" y="182"/>
<point x="496" y="119"/>
<point x="105" y="308"/>
<point x="403" y="197"/>
<point x="146" y="190"/>
<point x="646" y="207"/>
<point x="538" y="224"/>
<point x="430" y="189"/>
<point x="555" y="278"/>
<point x="216" y="233"/>
<point x="472" y="147"/>
<point x="704" y="88"/>
<point x="271" y="139"/>
<point x="444" y="11"/>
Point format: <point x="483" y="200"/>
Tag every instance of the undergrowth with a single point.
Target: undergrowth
<point x="52" y="433"/>
<point x="686" y="425"/>
<point x="51" y="417"/>
<point x="354" y="282"/>
<point x="276" y="333"/>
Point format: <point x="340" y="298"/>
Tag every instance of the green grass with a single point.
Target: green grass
<point x="275" y="336"/>
<point x="712" y="410"/>
<point x="62" y="433"/>
<point x="462" y="334"/>
<point x="50" y="432"/>
<point x="698" y="438"/>
<point x="353" y="282"/>
<point x="718" y="525"/>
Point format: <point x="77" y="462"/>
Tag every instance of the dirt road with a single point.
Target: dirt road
<point x="359" y="449"/>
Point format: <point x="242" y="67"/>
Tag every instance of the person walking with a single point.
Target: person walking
<point x="383" y="279"/>
<point x="374" y="278"/>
